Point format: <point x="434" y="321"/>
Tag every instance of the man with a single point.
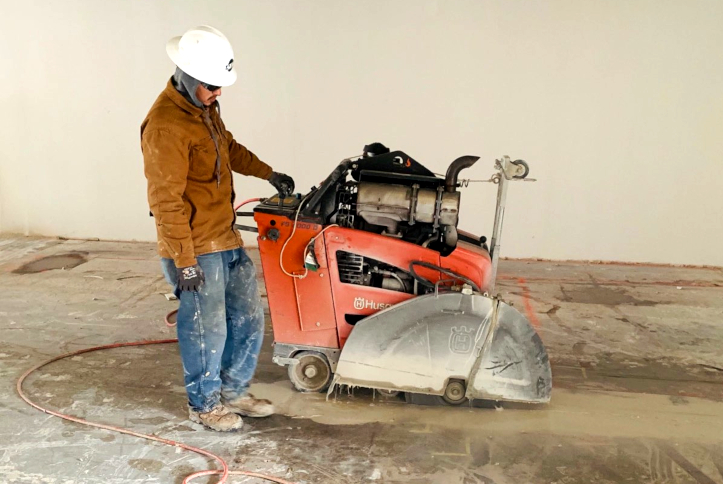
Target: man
<point x="189" y="158"/>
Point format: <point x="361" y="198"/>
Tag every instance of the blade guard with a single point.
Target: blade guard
<point x="419" y="345"/>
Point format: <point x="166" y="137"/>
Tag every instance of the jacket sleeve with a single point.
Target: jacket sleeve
<point x="166" y="160"/>
<point x="245" y="162"/>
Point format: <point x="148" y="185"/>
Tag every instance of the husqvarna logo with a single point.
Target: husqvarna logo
<point x="460" y="340"/>
<point x="363" y="303"/>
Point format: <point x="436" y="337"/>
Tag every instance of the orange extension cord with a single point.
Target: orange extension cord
<point x="224" y="472"/>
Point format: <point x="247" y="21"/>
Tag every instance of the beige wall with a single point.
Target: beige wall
<point x="616" y="105"/>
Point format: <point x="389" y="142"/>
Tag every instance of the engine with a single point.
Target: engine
<point x="364" y="271"/>
<point x="392" y="194"/>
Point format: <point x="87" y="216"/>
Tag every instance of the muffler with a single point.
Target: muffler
<point x="451" y="179"/>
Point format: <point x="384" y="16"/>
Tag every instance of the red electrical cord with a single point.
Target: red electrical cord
<point x="168" y="323"/>
<point x="250" y="200"/>
<point x="224" y="472"/>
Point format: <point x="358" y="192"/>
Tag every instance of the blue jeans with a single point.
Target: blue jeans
<point x="220" y="328"/>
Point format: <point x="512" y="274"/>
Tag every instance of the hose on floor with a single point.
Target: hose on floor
<point x="224" y="472"/>
<point x="168" y="318"/>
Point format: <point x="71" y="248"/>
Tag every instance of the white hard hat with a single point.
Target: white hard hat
<point x="205" y="54"/>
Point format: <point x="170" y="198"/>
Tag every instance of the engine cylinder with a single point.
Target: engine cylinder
<point x="388" y="205"/>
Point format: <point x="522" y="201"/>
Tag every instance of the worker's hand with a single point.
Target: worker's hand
<point x="190" y="278"/>
<point x="284" y="184"/>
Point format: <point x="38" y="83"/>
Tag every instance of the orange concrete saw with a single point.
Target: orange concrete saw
<point x="371" y="284"/>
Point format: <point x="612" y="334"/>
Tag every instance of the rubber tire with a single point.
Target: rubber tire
<point x="525" y="165"/>
<point x="299" y="381"/>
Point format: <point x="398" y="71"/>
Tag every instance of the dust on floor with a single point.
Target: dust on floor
<point x="636" y="360"/>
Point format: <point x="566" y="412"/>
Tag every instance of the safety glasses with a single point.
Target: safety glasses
<point x="210" y="87"/>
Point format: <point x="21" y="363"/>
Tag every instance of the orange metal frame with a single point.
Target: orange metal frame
<point x="315" y="310"/>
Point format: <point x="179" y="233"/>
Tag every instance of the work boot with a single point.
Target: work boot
<point x="248" y="406"/>
<point x="220" y="419"/>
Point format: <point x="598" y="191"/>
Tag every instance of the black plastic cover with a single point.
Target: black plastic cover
<point x="394" y="162"/>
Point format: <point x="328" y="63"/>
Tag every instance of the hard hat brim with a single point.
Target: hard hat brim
<point x="221" y="78"/>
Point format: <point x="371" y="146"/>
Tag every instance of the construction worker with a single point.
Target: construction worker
<point x="189" y="158"/>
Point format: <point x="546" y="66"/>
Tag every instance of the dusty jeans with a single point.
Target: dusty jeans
<point x="220" y="328"/>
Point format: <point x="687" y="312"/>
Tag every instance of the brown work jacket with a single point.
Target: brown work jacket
<point x="190" y="195"/>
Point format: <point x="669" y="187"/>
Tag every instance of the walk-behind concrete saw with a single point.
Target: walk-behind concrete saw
<point x="371" y="284"/>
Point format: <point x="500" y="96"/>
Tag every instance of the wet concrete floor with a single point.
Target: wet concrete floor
<point x="637" y="368"/>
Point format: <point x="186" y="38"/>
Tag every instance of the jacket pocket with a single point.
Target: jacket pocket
<point x="203" y="160"/>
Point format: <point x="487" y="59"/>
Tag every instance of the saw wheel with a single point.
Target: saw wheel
<point x="454" y="394"/>
<point x="311" y="374"/>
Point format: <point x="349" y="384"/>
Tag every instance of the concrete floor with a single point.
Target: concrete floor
<point x="636" y="355"/>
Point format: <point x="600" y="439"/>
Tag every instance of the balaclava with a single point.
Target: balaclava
<point x="187" y="86"/>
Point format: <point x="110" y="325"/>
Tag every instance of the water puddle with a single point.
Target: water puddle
<point x="53" y="262"/>
<point x="608" y="414"/>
